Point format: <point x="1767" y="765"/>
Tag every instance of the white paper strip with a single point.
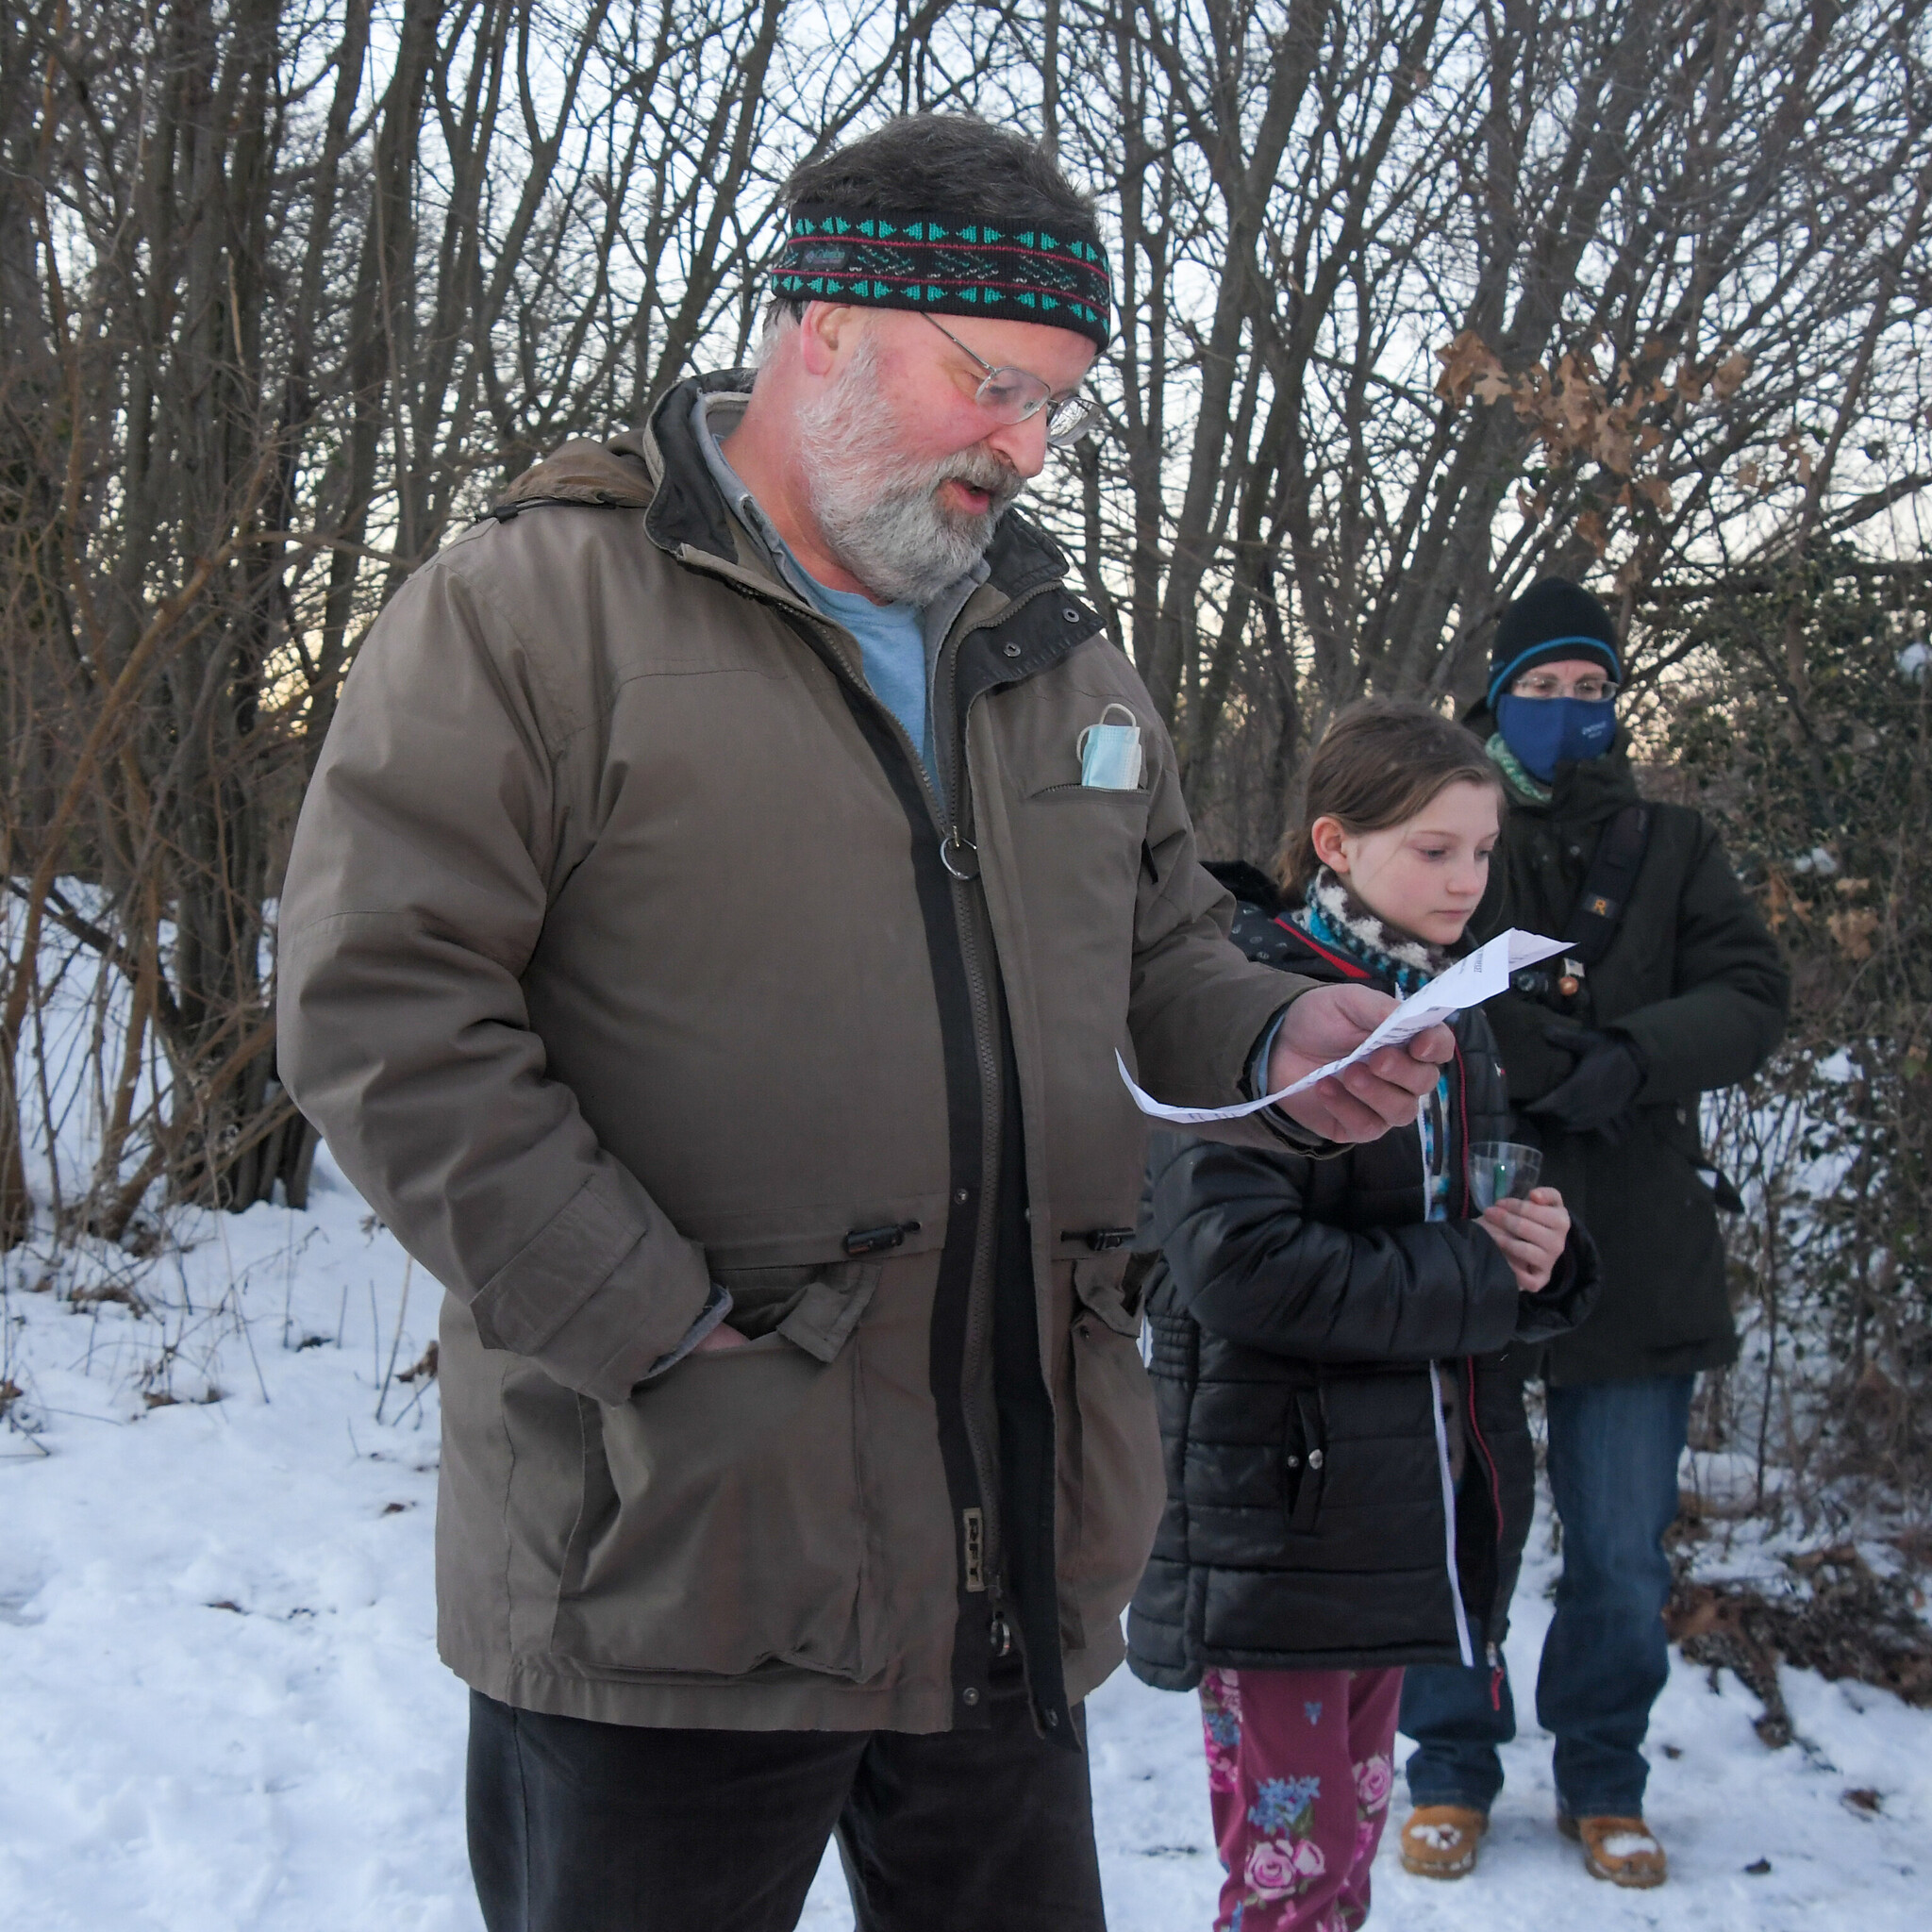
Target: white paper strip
<point x="1467" y="983"/>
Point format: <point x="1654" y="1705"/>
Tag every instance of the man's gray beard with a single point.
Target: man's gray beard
<point x="879" y="511"/>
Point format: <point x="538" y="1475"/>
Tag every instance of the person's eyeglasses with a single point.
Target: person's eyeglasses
<point x="1546" y="684"/>
<point x="1015" y="396"/>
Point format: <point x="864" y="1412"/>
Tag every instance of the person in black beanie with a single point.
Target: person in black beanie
<point x="1673" y="987"/>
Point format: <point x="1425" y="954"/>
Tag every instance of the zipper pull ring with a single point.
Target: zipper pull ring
<point x="954" y="842"/>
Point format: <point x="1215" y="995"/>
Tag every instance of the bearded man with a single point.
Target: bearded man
<point x="731" y="871"/>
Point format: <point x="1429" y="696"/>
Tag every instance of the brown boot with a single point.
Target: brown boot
<point x="1439" y="1841"/>
<point x="1620" y="1849"/>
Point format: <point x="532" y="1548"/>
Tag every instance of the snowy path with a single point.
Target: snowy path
<point x="221" y="1706"/>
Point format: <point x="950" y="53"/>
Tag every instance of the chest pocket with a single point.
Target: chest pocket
<point x="1081" y="845"/>
<point x="1078" y="847"/>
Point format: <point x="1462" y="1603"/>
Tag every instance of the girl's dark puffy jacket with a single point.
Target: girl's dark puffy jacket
<point x="1295" y="1309"/>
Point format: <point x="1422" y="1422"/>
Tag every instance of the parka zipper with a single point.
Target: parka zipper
<point x="980" y="996"/>
<point x="954" y="844"/>
<point x="945" y="817"/>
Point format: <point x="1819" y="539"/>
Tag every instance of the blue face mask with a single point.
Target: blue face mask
<point x="1547" y="732"/>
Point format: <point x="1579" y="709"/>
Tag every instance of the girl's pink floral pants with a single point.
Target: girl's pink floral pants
<point x="1299" y="1771"/>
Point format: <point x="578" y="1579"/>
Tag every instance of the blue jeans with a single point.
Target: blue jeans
<point x="1613" y="1476"/>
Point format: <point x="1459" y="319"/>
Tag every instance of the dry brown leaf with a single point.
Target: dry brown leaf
<point x="1462" y="361"/>
<point x="1729" y="375"/>
<point x="1780" y="902"/>
<point x="1853" y="930"/>
<point x="1615" y="448"/>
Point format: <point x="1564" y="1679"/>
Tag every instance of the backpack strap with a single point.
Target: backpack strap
<point x="1606" y="886"/>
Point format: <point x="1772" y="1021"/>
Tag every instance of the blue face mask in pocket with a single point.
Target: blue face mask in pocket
<point x="1547" y="732"/>
<point x="1111" y="755"/>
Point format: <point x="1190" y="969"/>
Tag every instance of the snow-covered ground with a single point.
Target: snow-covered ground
<point x="221" y="1708"/>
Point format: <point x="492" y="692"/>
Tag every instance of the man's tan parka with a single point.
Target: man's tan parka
<point x="626" y="946"/>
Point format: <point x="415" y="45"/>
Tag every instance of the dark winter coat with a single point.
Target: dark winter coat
<point x="1695" y="981"/>
<point x="1295" y="1309"/>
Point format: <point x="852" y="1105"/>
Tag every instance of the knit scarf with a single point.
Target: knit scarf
<point x="1334" y="917"/>
<point x="1511" y="768"/>
<point x="1337" y="918"/>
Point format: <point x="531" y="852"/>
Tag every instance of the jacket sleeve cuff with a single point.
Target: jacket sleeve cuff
<point x="710" y="1317"/>
<point x="1568" y="1297"/>
<point x="1665" y="1077"/>
<point x="1302" y="1140"/>
<point x="1263" y="1053"/>
<point x="599" y="1293"/>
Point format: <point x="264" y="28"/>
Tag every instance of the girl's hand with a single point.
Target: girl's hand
<point x="1531" y="1235"/>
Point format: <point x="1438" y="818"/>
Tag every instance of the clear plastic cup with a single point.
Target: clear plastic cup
<point x="1502" y="1170"/>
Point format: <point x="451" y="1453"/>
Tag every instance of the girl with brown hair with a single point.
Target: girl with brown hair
<point x="1349" y="1469"/>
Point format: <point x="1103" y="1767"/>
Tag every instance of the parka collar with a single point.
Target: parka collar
<point x="1010" y="631"/>
<point x="1313" y="958"/>
<point x="686" y="509"/>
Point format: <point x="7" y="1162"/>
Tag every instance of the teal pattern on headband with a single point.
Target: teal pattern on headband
<point x="947" y="266"/>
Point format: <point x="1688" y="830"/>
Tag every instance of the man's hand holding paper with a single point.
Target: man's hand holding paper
<point x="1367" y="1096"/>
<point x="1349" y="1063"/>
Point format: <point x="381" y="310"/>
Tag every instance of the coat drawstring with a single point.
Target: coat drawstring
<point x="1463" y="1647"/>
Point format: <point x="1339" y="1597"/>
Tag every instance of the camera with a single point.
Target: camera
<point x="1557" y="985"/>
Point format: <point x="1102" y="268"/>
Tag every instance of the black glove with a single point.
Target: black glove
<point x="1596" y="1095"/>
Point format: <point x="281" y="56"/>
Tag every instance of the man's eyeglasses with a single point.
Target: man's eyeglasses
<point x="1015" y="396"/>
<point x="1591" y="688"/>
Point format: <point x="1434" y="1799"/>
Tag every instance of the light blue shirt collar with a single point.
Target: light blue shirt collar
<point x="910" y="700"/>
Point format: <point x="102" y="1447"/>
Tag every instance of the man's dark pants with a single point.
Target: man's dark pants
<point x="1614" y="1448"/>
<point x="591" y="1827"/>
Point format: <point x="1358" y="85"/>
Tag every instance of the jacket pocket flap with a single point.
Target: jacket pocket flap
<point x="829" y="1309"/>
<point x="1101" y="1282"/>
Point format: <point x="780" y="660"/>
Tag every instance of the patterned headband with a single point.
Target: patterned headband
<point x="944" y="265"/>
